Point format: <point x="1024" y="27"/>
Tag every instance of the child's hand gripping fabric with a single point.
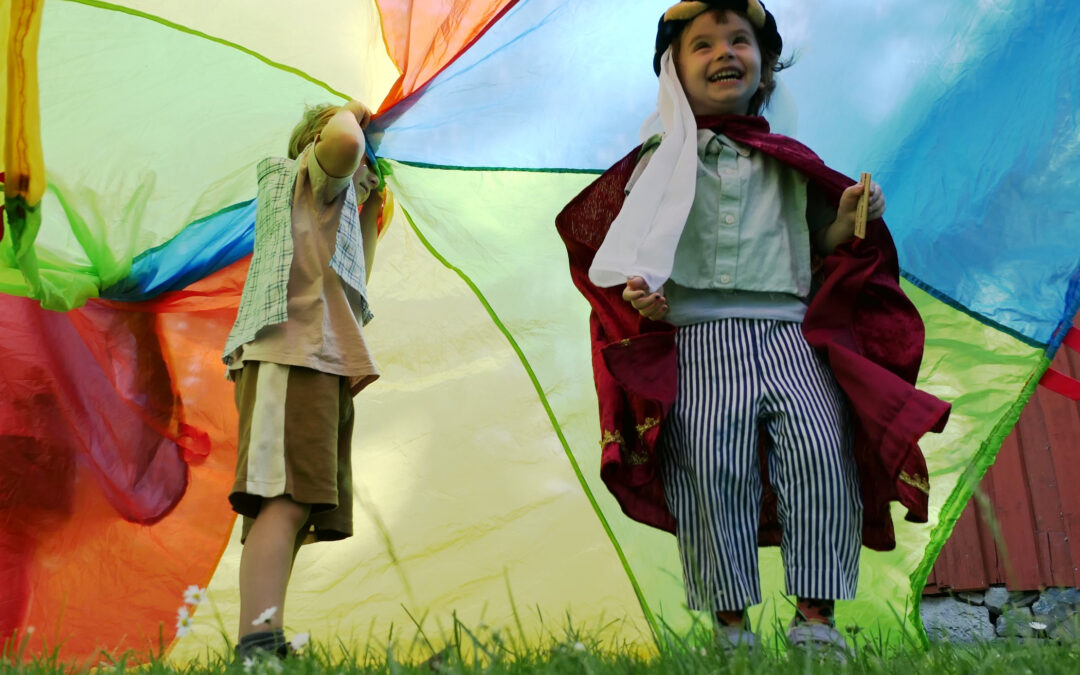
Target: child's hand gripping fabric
<point x="650" y="305"/>
<point x="843" y="228"/>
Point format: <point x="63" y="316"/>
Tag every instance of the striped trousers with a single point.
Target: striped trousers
<point x="734" y="377"/>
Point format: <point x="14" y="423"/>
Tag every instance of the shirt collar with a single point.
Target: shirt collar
<point x="707" y="137"/>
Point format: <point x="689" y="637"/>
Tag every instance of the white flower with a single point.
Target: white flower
<point x="265" y="616"/>
<point x="30" y="630"/>
<point x="249" y="663"/>
<point x="579" y="647"/>
<point x="184" y="623"/>
<point x="1037" y="625"/>
<point x="299" y="640"/>
<point x="274" y="665"/>
<point x="194" y="595"/>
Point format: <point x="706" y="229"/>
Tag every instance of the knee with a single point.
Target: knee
<point x="284" y="512"/>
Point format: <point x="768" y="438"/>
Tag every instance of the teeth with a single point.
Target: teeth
<point x="725" y="75"/>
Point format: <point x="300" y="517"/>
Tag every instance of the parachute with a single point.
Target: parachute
<point x="131" y="134"/>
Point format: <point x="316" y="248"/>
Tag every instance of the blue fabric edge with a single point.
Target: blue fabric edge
<point x="221" y="239"/>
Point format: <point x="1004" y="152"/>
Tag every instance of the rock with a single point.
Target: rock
<point x="1052" y="614"/>
<point x="1046" y="603"/>
<point x="1067" y="630"/>
<point x="1054" y="598"/>
<point x="1027" y="642"/>
<point x="949" y="620"/>
<point x="998" y="599"/>
<point x="995" y="599"/>
<point x="1015" y="622"/>
<point x="1023" y="598"/>
<point x="972" y="597"/>
<point x="1072" y="595"/>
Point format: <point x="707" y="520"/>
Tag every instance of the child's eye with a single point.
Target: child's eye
<point x="698" y="46"/>
<point x="740" y="39"/>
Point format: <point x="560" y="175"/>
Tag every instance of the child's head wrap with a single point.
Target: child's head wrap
<point x="682" y="13"/>
<point x="642" y="239"/>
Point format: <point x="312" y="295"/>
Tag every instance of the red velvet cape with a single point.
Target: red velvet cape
<point x="859" y="320"/>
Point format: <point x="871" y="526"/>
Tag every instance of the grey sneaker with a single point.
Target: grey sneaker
<point x="819" y="638"/>
<point x="734" y="638"/>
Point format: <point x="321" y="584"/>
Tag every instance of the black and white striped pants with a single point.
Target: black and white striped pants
<point x="734" y="375"/>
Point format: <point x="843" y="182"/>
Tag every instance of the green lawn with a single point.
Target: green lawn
<point x="466" y="652"/>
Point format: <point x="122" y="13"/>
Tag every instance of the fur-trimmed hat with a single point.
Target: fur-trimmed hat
<point x="682" y="13"/>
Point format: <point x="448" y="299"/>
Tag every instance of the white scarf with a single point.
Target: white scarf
<point x="642" y="239"/>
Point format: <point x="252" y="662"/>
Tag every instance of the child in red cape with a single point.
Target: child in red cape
<point x="750" y="393"/>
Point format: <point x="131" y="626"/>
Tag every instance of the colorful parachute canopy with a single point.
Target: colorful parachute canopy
<point x="126" y="241"/>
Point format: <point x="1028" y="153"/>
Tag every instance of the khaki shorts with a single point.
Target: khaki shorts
<point x="295" y="440"/>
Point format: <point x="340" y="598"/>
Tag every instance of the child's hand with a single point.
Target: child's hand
<point x="649" y="305"/>
<point x="849" y="203"/>
<point x="843" y="228"/>
<point x="361" y="111"/>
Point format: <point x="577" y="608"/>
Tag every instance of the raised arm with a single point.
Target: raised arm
<point x="340" y="145"/>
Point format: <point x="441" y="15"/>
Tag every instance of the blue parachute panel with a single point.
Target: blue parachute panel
<point x="201" y="248"/>
<point x="983" y="181"/>
<point x="534" y="65"/>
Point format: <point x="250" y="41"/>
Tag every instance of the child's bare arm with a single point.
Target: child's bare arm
<point x="843" y="228"/>
<point x="369" y="229"/>
<point x="340" y="145"/>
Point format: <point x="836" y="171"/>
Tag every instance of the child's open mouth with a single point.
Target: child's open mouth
<point x="727" y="75"/>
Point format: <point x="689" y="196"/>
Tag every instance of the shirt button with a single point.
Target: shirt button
<point x="725" y="278"/>
<point x="729" y="220"/>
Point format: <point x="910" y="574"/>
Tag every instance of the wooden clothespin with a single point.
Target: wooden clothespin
<point x="860" y="210"/>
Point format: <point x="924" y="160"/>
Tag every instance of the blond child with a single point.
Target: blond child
<point x="297" y="355"/>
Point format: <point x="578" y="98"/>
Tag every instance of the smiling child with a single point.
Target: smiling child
<point x="732" y="379"/>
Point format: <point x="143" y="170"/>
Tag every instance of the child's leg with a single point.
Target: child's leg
<point x="813" y="471"/>
<point x="810" y="609"/>
<point x="266" y="562"/>
<point x="736" y="619"/>
<point x="292" y="422"/>
<point x="710" y="471"/>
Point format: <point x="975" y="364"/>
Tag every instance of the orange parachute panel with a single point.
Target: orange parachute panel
<point x="83" y="480"/>
<point x="424" y="36"/>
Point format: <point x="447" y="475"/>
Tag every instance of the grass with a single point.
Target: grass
<point x="490" y="651"/>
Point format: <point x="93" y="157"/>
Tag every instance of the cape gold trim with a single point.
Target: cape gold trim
<point x="637" y="458"/>
<point x="649" y="423"/>
<point x="918" y="482"/>
<point x="612" y="437"/>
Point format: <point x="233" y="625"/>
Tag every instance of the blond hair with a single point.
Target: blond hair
<point x="310" y="125"/>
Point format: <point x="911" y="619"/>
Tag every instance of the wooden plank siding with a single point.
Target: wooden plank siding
<point x="1026" y="532"/>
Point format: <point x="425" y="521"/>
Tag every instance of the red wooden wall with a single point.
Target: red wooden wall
<point x="1032" y="492"/>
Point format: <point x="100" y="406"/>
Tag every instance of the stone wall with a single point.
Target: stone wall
<point x="999" y="614"/>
